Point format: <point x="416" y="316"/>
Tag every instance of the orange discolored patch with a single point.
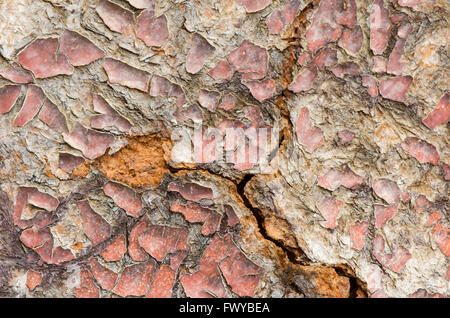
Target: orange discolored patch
<point x="140" y="164"/>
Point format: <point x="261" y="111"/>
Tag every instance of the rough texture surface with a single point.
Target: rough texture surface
<point x="129" y="129"/>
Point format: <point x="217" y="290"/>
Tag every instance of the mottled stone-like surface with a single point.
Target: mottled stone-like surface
<point x="128" y="130"/>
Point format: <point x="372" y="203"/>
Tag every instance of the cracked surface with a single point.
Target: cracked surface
<point x="128" y="129"/>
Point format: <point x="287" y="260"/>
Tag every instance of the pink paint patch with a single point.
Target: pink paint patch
<point x="324" y="28"/>
<point x="209" y="100"/>
<point x="228" y="102"/>
<point x="161" y="86"/>
<point x="16" y="74"/>
<point x="309" y="136"/>
<point x="371" y="84"/>
<point x="32" y="104"/>
<point x="191" y="191"/>
<point x="222" y="70"/>
<point x="43" y="59"/>
<point x="379" y="64"/>
<point x="250" y="60"/>
<point x="134" y="250"/>
<point x="395" y="65"/>
<point x="109" y="118"/>
<point x="351" y="40"/>
<point x="200" y="50"/>
<point x="95" y="227"/>
<point x="118" y="19"/>
<point x="68" y="162"/>
<point x="404" y="30"/>
<point x="330" y="208"/>
<point x="325" y="58"/>
<point x="347" y="68"/>
<point x="395" y="88"/>
<point x="254" y="5"/>
<point x="441" y="235"/>
<point x="135" y="279"/>
<point x="421" y="150"/>
<point x="194" y="213"/>
<point x="152" y="30"/>
<point x="105" y="277"/>
<point x="52" y="117"/>
<point x="343" y="176"/>
<point x="87" y="288"/>
<point x="380" y="27"/>
<point x="304" y="81"/>
<point x="79" y="50"/>
<point x="115" y="250"/>
<point x="440" y="115"/>
<point x="358" y="234"/>
<point x="275" y="22"/>
<point x="126" y="75"/>
<point x="345" y="136"/>
<point x="387" y="189"/>
<point x="124" y="197"/>
<point x="383" y="214"/>
<point x="92" y="144"/>
<point x="233" y="219"/>
<point x="8" y="97"/>
<point x="304" y="58"/>
<point x="346" y="13"/>
<point x="395" y="261"/>
<point x="162" y="283"/>
<point x="261" y="90"/>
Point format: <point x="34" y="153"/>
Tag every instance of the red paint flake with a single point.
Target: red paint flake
<point x="126" y="75"/>
<point x="32" y="104"/>
<point x="68" y="162"/>
<point x="134" y="250"/>
<point x="384" y="213"/>
<point x="159" y="241"/>
<point x="330" y="208"/>
<point x="261" y="90"/>
<point x="324" y="28"/>
<point x="395" y="261"/>
<point x="241" y="274"/>
<point x="434" y="216"/>
<point x="142" y="4"/>
<point x="371" y="84"/>
<point x="351" y="40"/>
<point x="395" y="88"/>
<point x="42" y="58"/>
<point x="387" y="190"/>
<point x="161" y="86"/>
<point x="380" y="27"/>
<point x="43" y="200"/>
<point x="404" y="30"/>
<point x="250" y="60"/>
<point x="17" y="75"/>
<point x="152" y="30"/>
<point x="200" y="50"/>
<point x="193" y="113"/>
<point x="309" y="136"/>
<point x="92" y="144"/>
<point x="87" y="288"/>
<point x="345" y="136"/>
<point x="177" y="258"/>
<point x="162" y="283"/>
<point x="379" y="64"/>
<point x="115" y="250"/>
<point x="374" y="279"/>
<point x="124" y="197"/>
<point x="34" y="237"/>
<point x="343" y="176"/>
<point x="105" y="277"/>
<point x="395" y="65"/>
<point x="52" y="117"/>
<point x="346" y="13"/>
<point x="347" y="68"/>
<point x="422" y="203"/>
<point x="446" y="170"/>
<point x="396" y="18"/>
<point x="409" y="3"/>
<point x="212" y="223"/>
<point x="447" y="275"/>
<point x="275" y="22"/>
<point x="421" y="150"/>
<point x="33" y="279"/>
<point x="8" y="97"/>
<point x="109" y="118"/>
<point x="135" y="279"/>
<point x="61" y="255"/>
<point x="222" y="70"/>
<point x="209" y="100"/>
<point x="304" y="58"/>
<point x="254" y="5"/>
<point x="441" y="235"/>
<point x="325" y="58"/>
<point x="95" y="227"/>
<point x="358" y="234"/>
<point x="233" y="220"/>
<point x="304" y="80"/>
<point x="118" y="19"/>
<point x="228" y="102"/>
<point x="195" y="213"/>
<point x="191" y="191"/>
<point x="440" y="115"/>
<point x="79" y="50"/>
